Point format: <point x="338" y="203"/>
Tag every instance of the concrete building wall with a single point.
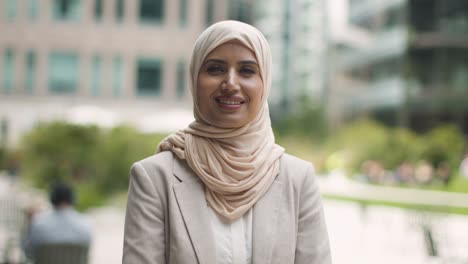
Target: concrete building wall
<point x="127" y="40"/>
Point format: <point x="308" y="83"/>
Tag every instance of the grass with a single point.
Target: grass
<point x="435" y="209"/>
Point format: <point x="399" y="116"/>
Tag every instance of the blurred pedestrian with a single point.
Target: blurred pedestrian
<point x="424" y="173"/>
<point x="405" y="172"/>
<point x="464" y="167"/>
<point x="221" y="190"/>
<point x="63" y="224"/>
<point x="444" y="172"/>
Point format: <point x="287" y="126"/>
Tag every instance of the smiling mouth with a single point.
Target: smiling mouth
<point x="229" y="101"/>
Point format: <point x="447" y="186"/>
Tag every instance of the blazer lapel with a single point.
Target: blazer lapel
<point x="265" y="215"/>
<point x="190" y="197"/>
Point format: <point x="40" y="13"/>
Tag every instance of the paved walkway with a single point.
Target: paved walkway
<point x="358" y="234"/>
<point x="108" y="235"/>
<point x="339" y="185"/>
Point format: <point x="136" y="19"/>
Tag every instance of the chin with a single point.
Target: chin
<point x="229" y="124"/>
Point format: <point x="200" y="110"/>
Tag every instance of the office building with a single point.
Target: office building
<point x="403" y="62"/>
<point x="99" y="61"/>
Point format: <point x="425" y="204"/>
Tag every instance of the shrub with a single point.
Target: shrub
<point x="59" y="152"/>
<point x="95" y="161"/>
<point x="443" y="144"/>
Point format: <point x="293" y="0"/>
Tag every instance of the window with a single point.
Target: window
<point x="11" y="7"/>
<point x="209" y="12"/>
<point x="33" y="9"/>
<point x="96" y="76"/>
<point x="180" y="79"/>
<point x="30" y="71"/>
<point x="151" y="11"/>
<point x="149" y="77"/>
<point x="3" y="131"/>
<point x="183" y="13"/>
<point x="66" y="10"/>
<point x="98" y="9"/>
<point x="119" y="10"/>
<point x="117" y="76"/>
<point x="63" y="72"/>
<point x="8" y="70"/>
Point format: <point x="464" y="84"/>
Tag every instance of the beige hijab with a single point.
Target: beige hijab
<point x="237" y="165"/>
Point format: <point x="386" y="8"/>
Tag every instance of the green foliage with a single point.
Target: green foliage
<point x="443" y="144"/>
<point x="3" y="157"/>
<point x="59" y="152"/>
<point x="307" y="122"/>
<point x="116" y="152"/>
<point x="368" y="140"/>
<point x="95" y="161"/>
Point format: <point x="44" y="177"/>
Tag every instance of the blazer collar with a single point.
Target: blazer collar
<point x="190" y="196"/>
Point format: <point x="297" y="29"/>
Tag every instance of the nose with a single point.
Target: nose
<point x="230" y="84"/>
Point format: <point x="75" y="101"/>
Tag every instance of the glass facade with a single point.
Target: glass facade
<point x="96" y="76"/>
<point x="149" y="77"/>
<point x="117" y="76"/>
<point x="119" y="10"/>
<point x="67" y="10"/>
<point x="180" y="79"/>
<point x="33" y="9"/>
<point x="30" y="72"/>
<point x="63" y="72"/>
<point x="183" y="13"/>
<point x="98" y="9"/>
<point x="209" y="12"/>
<point x="151" y="11"/>
<point x="8" y="70"/>
<point x="11" y="9"/>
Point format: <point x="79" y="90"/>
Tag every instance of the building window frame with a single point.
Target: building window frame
<point x="149" y="73"/>
<point x="117" y="76"/>
<point x="11" y="9"/>
<point x="181" y="79"/>
<point x="151" y="11"/>
<point x="210" y="11"/>
<point x="98" y="10"/>
<point x="31" y="66"/>
<point x="183" y="13"/>
<point x="63" y="72"/>
<point x="8" y="70"/>
<point x="67" y="10"/>
<point x="119" y="10"/>
<point x="96" y="65"/>
<point x="33" y="9"/>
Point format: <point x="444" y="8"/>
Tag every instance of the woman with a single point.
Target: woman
<point x="221" y="190"/>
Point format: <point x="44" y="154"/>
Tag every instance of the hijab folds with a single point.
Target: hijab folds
<point x="236" y="165"/>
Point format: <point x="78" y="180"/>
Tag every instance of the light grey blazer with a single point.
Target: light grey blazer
<point x="167" y="219"/>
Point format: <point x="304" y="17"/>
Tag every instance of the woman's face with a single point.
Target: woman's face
<point x="229" y="86"/>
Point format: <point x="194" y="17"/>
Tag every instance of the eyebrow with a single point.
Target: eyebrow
<point x="224" y="62"/>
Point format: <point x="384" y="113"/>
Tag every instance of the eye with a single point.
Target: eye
<point x="248" y="71"/>
<point x="215" y="69"/>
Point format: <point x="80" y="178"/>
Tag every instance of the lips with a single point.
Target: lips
<point x="233" y="100"/>
<point x="230" y="103"/>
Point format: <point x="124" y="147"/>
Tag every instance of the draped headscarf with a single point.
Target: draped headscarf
<point x="236" y="165"/>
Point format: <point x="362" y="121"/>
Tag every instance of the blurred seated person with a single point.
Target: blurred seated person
<point x="63" y="224"/>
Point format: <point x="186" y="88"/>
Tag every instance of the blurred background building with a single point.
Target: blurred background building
<point x="297" y="32"/>
<point x="116" y="61"/>
<point x="403" y="62"/>
<point x="101" y="61"/>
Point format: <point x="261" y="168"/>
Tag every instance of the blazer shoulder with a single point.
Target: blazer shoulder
<point x="158" y="167"/>
<point x="297" y="164"/>
<point x="161" y="159"/>
<point x="295" y="169"/>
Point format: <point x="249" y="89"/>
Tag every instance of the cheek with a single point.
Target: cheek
<point x="256" y="93"/>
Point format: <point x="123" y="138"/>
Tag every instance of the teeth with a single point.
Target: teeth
<point x="229" y="102"/>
